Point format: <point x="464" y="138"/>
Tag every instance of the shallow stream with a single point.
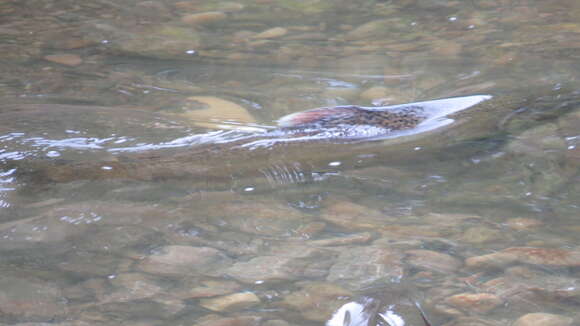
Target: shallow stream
<point x="136" y="187"/>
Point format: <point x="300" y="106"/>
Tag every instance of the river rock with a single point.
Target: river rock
<point x="357" y="238"/>
<point x="214" y="320"/>
<point x="357" y="268"/>
<point x="184" y="260"/>
<point x="432" y="261"/>
<point x="352" y="216"/>
<point x="276" y="322"/>
<point x="288" y="263"/>
<point x="475" y="302"/>
<point x="527" y="255"/>
<point x="373" y="93"/>
<point x="523" y="223"/>
<point x="30" y="299"/>
<point x="480" y="234"/>
<point x="133" y="286"/>
<point x="537" y="141"/>
<point x="231" y="302"/>
<point x="543" y="319"/>
<point x="161" y="41"/>
<point x="40" y="230"/>
<point x="367" y="30"/>
<point x="317" y="301"/>
<point x="271" y="33"/>
<point x="269" y="218"/>
<point x="205" y="288"/>
<point x="217" y="113"/>
<point x="121" y="239"/>
<point x="65" y="59"/>
<point x="97" y="264"/>
<point x="203" y="18"/>
<point x="524" y="289"/>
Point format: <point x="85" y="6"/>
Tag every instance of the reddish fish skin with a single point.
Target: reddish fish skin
<point x="400" y="119"/>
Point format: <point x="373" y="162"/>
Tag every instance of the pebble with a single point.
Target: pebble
<point x="65" y="59"/>
<point x="207" y="288"/>
<point x="446" y="48"/>
<point x="357" y="268"/>
<point x="357" y="238"/>
<point x="30" y="299"/>
<point x="317" y="300"/>
<point x="34" y="231"/>
<point x="217" y="113"/>
<point x="475" y="302"/>
<point x="373" y="93"/>
<point x="232" y="302"/>
<point x="523" y="223"/>
<point x="432" y="261"/>
<point x="480" y="234"/>
<point x="204" y="18"/>
<point x="285" y="264"/>
<point x="213" y="320"/>
<point x="543" y="319"/>
<point x="372" y="28"/>
<point x="270" y="218"/>
<point x="352" y="216"/>
<point x="184" y="260"/>
<point x="276" y="322"/>
<point x="271" y="33"/>
<point x="133" y="286"/>
<point x="527" y="255"/>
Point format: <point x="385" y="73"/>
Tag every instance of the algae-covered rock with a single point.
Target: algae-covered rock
<point x="357" y="268"/>
<point x="316" y="300"/>
<point x="231" y="302"/>
<point x="543" y="319"/>
<point x="161" y="42"/>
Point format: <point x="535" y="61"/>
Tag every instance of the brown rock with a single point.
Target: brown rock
<point x="360" y="267"/>
<point x="30" y="232"/>
<point x="30" y="299"/>
<point x="352" y="216"/>
<point x="317" y="301"/>
<point x="432" y="261"/>
<point x="271" y="33"/>
<point x="374" y="93"/>
<point x="480" y="234"/>
<point x="447" y="48"/>
<point x="357" y="238"/>
<point x="527" y="255"/>
<point x="522" y="223"/>
<point x="495" y="260"/>
<point x="269" y="218"/>
<point x="64" y="59"/>
<point x="543" y="319"/>
<point x="284" y="264"/>
<point x="367" y="30"/>
<point x="217" y="113"/>
<point x="475" y="302"/>
<point x="179" y="260"/>
<point x="232" y="302"/>
<point x="204" y="18"/>
<point x="207" y="288"/>
<point x="213" y="320"/>
<point x="133" y="286"/>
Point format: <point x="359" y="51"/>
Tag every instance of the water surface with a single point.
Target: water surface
<point x="127" y="196"/>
